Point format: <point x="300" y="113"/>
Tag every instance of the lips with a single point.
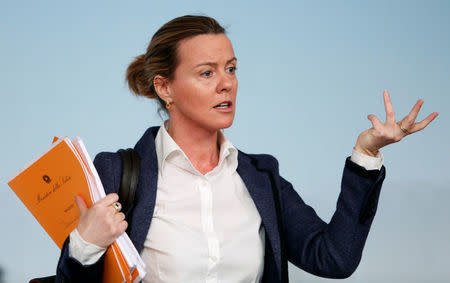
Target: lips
<point x="223" y="105"/>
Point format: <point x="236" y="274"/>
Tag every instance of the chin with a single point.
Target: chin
<point x="226" y="126"/>
<point x="226" y="123"/>
<point x="215" y="123"/>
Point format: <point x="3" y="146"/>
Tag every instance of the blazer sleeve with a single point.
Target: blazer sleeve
<point x="109" y="168"/>
<point x="331" y="250"/>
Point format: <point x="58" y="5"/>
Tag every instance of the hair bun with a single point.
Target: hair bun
<point x="138" y="79"/>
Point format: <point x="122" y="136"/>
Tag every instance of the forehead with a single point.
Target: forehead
<point x="204" y="48"/>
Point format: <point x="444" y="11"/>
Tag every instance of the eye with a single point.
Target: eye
<point x="231" y="70"/>
<point x="206" y="74"/>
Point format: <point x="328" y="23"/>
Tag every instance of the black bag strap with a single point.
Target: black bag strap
<point x="131" y="162"/>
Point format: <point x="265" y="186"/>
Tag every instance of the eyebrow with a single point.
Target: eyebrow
<point x="213" y="64"/>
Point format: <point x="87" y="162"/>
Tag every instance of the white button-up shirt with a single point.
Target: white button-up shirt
<point x="205" y="228"/>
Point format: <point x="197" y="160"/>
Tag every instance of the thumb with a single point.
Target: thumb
<point x="82" y="207"/>
<point x="375" y="122"/>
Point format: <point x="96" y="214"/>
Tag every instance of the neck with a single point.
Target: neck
<point x="200" y="145"/>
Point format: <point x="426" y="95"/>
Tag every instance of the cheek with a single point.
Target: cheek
<point x="192" y="96"/>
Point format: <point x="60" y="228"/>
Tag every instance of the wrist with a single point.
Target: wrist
<point x="369" y="152"/>
<point x="81" y="250"/>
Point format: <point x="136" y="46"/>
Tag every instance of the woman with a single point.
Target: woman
<point x="206" y="212"/>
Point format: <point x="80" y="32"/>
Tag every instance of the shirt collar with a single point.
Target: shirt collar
<point x="227" y="152"/>
<point x="168" y="150"/>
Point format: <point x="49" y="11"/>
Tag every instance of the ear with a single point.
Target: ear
<point x="162" y="88"/>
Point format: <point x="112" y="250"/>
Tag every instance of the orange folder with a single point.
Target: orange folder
<point x="47" y="187"/>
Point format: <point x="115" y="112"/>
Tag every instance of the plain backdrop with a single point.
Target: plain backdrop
<point x="309" y="74"/>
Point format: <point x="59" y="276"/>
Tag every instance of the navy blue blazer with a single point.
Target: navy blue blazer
<point x="330" y="250"/>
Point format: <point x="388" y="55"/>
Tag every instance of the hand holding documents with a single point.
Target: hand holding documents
<point x="47" y="186"/>
<point x="102" y="223"/>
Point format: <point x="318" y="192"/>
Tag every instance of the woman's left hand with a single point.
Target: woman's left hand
<point x="382" y="134"/>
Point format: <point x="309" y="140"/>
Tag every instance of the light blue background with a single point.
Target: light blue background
<point x="309" y="74"/>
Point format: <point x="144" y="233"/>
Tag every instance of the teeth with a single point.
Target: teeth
<point x="223" y="105"/>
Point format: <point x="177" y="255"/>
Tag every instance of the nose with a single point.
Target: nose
<point x="225" y="83"/>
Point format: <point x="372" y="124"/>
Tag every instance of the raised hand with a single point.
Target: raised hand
<point x="102" y="223"/>
<point x="382" y="134"/>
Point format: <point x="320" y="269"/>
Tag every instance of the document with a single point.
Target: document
<point x="47" y="186"/>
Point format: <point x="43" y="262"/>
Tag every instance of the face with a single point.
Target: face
<point x="203" y="89"/>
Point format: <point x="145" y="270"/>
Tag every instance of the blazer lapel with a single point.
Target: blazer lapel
<point x="258" y="185"/>
<point x="146" y="189"/>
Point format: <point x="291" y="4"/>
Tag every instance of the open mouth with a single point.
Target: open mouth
<point x="223" y="105"/>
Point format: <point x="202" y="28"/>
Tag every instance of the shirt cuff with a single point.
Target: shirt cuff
<point x="85" y="252"/>
<point x="366" y="161"/>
